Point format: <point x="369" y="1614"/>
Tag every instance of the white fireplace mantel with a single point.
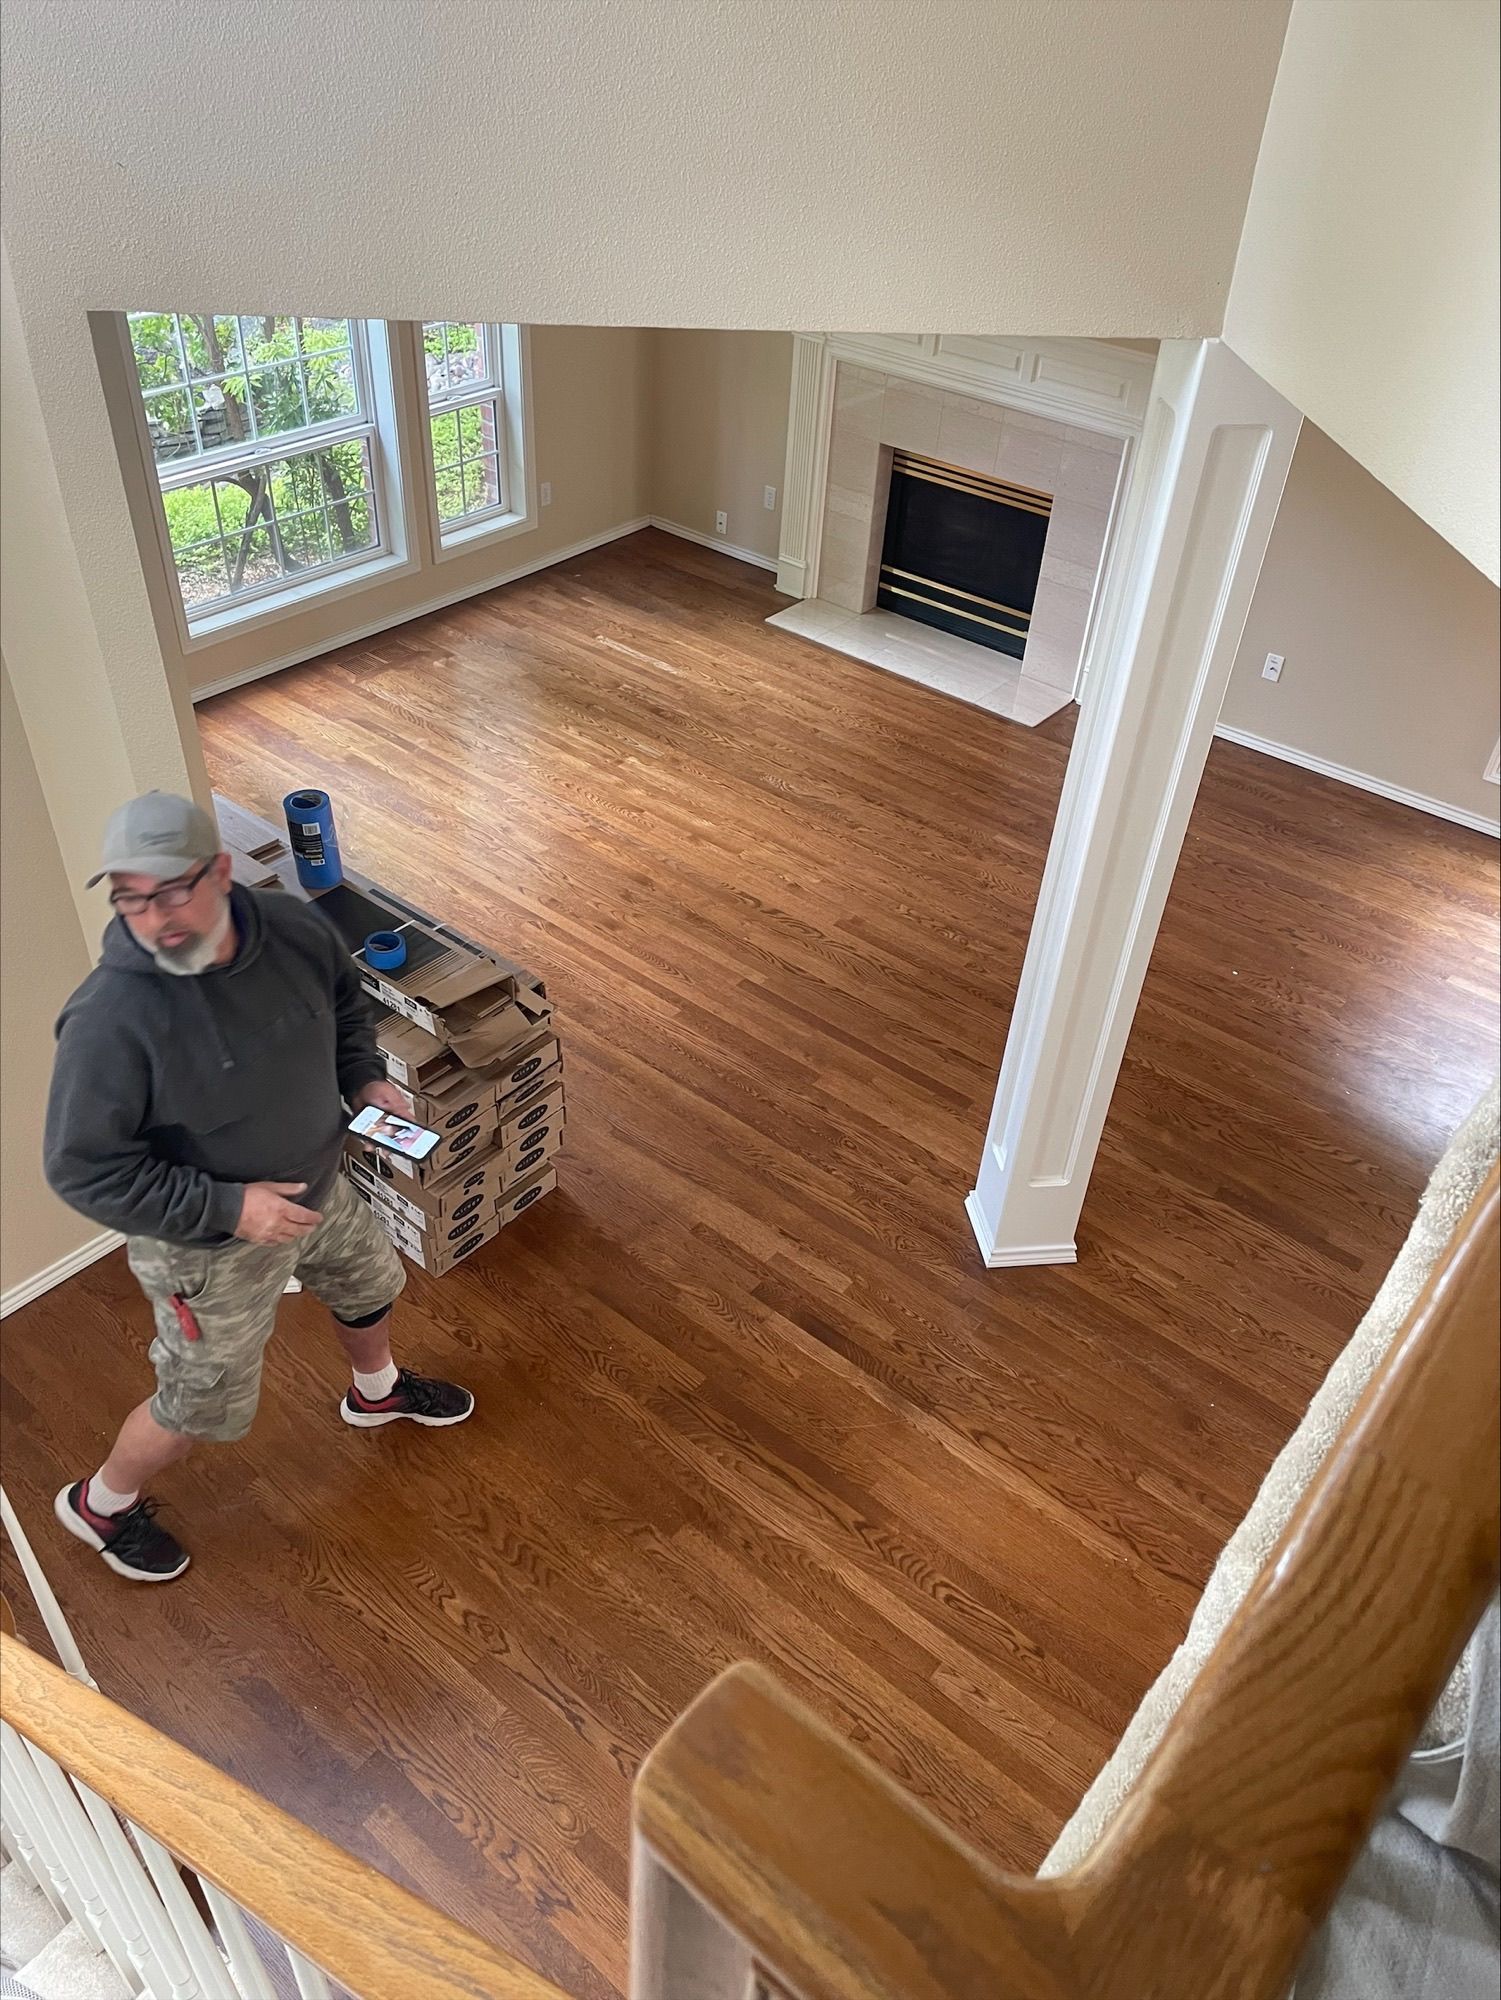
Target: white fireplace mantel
<point x="1087" y="383"/>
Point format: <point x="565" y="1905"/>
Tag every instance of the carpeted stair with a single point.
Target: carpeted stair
<point x="44" y="1957"/>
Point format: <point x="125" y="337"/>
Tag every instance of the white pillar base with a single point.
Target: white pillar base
<point x="1215" y="452"/>
<point x="997" y="1259"/>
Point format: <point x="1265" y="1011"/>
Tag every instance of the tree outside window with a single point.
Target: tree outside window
<point x="264" y="446"/>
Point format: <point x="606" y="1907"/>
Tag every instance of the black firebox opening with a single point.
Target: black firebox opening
<point x="962" y="551"/>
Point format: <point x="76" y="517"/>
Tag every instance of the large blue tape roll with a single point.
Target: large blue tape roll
<point x="315" y="842"/>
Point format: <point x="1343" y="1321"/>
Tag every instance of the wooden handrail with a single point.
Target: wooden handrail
<point x="1210" y="1880"/>
<point x="365" y="1931"/>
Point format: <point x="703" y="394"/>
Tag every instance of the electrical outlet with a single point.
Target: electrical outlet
<point x="1272" y="671"/>
<point x="769" y="498"/>
<point x="721" y="523"/>
<point x="546" y="493"/>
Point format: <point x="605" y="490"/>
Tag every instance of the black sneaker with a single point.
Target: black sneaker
<point x="131" y="1543"/>
<point x="419" y="1397"/>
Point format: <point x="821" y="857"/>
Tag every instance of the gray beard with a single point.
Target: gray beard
<point x="199" y="954"/>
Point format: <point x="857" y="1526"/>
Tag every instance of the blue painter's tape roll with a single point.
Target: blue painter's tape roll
<point x="315" y="842"/>
<point x="385" y="950"/>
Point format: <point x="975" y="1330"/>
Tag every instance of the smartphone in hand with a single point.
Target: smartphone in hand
<point x="399" y="1135"/>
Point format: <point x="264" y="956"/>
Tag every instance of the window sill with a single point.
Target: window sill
<point x="234" y="619"/>
<point x="494" y="528"/>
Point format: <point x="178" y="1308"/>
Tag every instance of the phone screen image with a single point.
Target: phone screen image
<point x="386" y="1128"/>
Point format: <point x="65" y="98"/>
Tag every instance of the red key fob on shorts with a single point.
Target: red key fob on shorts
<point x="190" y="1327"/>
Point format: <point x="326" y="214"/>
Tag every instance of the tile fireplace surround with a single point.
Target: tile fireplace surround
<point x="1028" y="413"/>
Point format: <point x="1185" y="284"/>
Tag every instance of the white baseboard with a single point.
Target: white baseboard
<point x="54" y="1274"/>
<point x="1360" y="779"/>
<point x="713" y="542"/>
<point x="389" y="624"/>
<point x="1029" y="1253"/>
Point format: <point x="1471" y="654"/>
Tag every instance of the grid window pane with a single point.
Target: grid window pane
<point x="462" y="360"/>
<point x="250" y="376"/>
<point x="153" y="339"/>
<point x="272" y="522"/>
<point x="169" y="420"/>
<point x="210" y="344"/>
<point x="252" y="397"/>
<point x="445" y="433"/>
<point x="458" y="357"/>
<point x="481" y="484"/>
<point x="476" y="484"/>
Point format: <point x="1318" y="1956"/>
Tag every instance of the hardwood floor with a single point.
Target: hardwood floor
<point x="745" y="1390"/>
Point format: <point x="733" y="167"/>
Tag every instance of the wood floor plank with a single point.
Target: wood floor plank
<point x="744" y="1387"/>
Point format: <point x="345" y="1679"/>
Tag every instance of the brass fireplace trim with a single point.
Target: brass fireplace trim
<point x="970" y="596"/>
<point x="1004" y="492"/>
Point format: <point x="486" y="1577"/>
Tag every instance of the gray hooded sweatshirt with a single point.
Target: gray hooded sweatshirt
<point x="171" y="1092"/>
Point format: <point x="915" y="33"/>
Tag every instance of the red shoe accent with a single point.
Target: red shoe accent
<point x="385" y="1403"/>
<point x="102" y="1521"/>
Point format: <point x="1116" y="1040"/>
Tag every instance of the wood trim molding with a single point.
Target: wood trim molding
<point x="363" y="1929"/>
<point x="1090" y="383"/>
<point x="1361" y="780"/>
<point x="1227" y="1855"/>
<point x="57" y="1273"/>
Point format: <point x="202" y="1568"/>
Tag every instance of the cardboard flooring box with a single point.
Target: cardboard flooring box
<point x="439" y="1250"/>
<point x="471" y="1189"/>
<point x="538" y="1104"/>
<point x="464" y="1095"/>
<point x="418" y="1058"/>
<point x="414" y="1058"/>
<point x="472" y="989"/>
<point x="525" y="1158"/>
<point x="539" y="1134"/>
<point x="525" y="1064"/>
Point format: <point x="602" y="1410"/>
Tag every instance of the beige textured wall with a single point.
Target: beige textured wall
<point x="719" y="430"/>
<point x="1390" y="637"/>
<point x="589" y="440"/>
<point x="1365" y="289"/>
<point x="1042" y="166"/>
<point x="42" y="958"/>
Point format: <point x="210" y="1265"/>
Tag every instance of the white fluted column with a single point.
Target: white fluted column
<point x="1215" y="451"/>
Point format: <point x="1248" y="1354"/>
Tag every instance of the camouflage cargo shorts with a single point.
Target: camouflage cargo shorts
<point x="208" y="1387"/>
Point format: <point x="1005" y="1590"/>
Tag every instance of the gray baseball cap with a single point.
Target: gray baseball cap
<point x="158" y="834"/>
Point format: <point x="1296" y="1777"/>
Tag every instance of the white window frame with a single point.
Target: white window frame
<point x="262" y="604"/>
<point x="509" y="387"/>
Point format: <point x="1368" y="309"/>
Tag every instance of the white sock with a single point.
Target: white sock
<point x="105" y="1500"/>
<point x="373" y="1387"/>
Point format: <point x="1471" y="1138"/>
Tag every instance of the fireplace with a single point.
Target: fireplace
<point x="962" y="551"/>
<point x="950" y="506"/>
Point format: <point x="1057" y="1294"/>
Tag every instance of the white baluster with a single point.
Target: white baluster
<point x="199" y="1945"/>
<point x="246" y="1962"/>
<point x="24" y="1855"/>
<point x="151" y="1937"/>
<point x="58" y="1629"/>
<point x="64" y="1840"/>
<point x="310" y="1981"/>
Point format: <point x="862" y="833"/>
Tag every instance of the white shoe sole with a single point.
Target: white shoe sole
<point x="76" y="1525"/>
<point x="358" y="1420"/>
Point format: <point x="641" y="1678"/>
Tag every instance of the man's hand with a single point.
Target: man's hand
<point x="383" y="1094"/>
<point x="268" y="1216"/>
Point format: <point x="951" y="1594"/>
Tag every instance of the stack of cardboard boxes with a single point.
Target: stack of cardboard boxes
<point x="469" y="1041"/>
<point x="466" y="1035"/>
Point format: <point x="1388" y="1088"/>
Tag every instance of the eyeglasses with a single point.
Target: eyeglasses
<point x="131" y="904"/>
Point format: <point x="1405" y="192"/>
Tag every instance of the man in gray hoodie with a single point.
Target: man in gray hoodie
<point x="206" y="1071"/>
